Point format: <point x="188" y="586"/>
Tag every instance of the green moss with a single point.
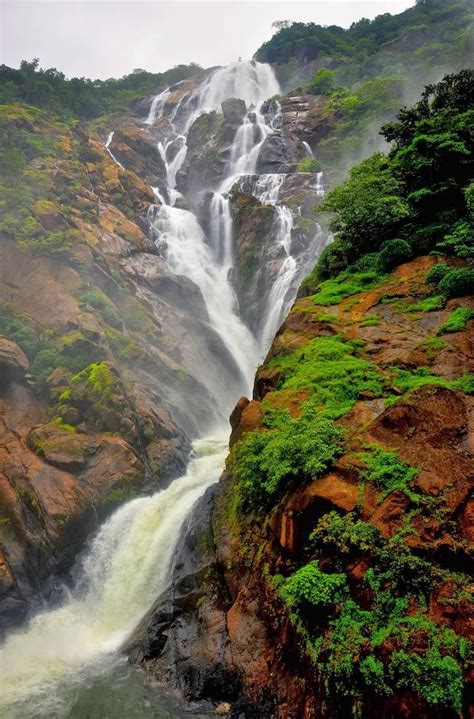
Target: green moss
<point x="62" y="425"/>
<point x="327" y="317"/>
<point x="431" y="346"/>
<point x="457" y="320"/>
<point x="331" y="292"/>
<point x="100" y="380"/>
<point x="99" y="301"/>
<point x="429" y="304"/>
<point x="119" y="495"/>
<point x="371" y="321"/>
<point x="332" y="370"/>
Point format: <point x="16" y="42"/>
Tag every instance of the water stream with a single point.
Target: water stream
<point x="63" y="662"/>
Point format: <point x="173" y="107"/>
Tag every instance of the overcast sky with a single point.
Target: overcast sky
<point x="109" y="38"/>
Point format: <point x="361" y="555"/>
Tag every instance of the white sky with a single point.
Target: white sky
<point x="109" y="38"/>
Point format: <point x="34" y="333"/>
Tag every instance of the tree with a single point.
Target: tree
<point x="280" y="24"/>
<point x="370" y="207"/>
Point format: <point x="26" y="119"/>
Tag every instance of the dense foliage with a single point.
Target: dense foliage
<point x="420" y="193"/>
<point x="81" y="97"/>
<point x="365" y="73"/>
<point x="409" y="40"/>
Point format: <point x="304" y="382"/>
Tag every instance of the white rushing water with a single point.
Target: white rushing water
<point x="129" y="562"/>
<point x="182" y="243"/>
<point x="127" y="566"/>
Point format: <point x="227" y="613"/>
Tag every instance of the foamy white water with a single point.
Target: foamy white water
<point x="127" y="566"/>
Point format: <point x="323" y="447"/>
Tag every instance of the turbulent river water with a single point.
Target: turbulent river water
<point x="66" y="662"/>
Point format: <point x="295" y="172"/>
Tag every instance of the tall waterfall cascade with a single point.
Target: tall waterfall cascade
<point x="129" y="562"/>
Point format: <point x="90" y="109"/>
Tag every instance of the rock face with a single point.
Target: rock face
<point x="222" y="631"/>
<point x="13" y="361"/>
<point x="76" y="437"/>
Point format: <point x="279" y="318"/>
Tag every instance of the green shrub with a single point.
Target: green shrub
<point x="310" y="586"/>
<point x="386" y="471"/>
<point x="340" y="536"/>
<point x="330" y="263"/>
<point x="436" y="274"/>
<point x="438" y="679"/>
<point x="269" y="463"/>
<point x="369" y="261"/>
<point x="457" y="320"/>
<point x="393" y="253"/>
<point x="457" y="282"/>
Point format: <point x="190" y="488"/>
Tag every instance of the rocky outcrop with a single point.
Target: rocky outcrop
<point x="13" y="361"/>
<point x="222" y="631"/>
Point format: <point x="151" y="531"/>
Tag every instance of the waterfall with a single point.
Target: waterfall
<point x="129" y="562"/>
<point x="107" y="146"/>
<point x="221" y="229"/>
<point x="182" y="242"/>
<point x="157" y="106"/>
<point x="127" y="566"/>
<point x="278" y="300"/>
<point x="319" y="187"/>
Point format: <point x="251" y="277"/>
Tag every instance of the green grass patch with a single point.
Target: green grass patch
<point x="331" y="292"/>
<point x="371" y="321"/>
<point x="387" y="472"/>
<point x="334" y="372"/>
<point x="429" y="304"/>
<point x="457" y="320"/>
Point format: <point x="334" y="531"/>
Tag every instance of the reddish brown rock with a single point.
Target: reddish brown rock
<point x="13" y="361"/>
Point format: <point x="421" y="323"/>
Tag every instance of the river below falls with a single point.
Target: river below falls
<point x="114" y="690"/>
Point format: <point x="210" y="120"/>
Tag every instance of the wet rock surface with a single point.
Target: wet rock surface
<point x="224" y="560"/>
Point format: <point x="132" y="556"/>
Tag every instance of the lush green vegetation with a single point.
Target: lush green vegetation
<point x="80" y="97"/>
<point x="310" y="587"/>
<point x="366" y="72"/>
<point x="334" y="370"/>
<point x="332" y="291"/>
<point x="44" y="354"/>
<point x="290" y="450"/>
<point x="412" y="200"/>
<point x="269" y="463"/>
<point x="457" y="320"/>
<point x="365" y="649"/>
<point x="386" y="471"/>
<point x="371" y="45"/>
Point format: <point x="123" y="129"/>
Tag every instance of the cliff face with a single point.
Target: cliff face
<point x="349" y="591"/>
<point x="74" y="443"/>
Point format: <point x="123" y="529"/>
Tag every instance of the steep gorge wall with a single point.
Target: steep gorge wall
<point x="223" y="631"/>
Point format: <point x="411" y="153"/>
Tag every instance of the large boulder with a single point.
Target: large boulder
<point x="234" y="110"/>
<point x="13" y="361"/>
